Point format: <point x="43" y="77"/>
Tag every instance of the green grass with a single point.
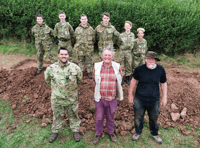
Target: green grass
<point x="12" y="47"/>
<point x="21" y="136"/>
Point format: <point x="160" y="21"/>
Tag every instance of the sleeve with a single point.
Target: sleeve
<point x="96" y="34"/>
<point x="71" y="31"/>
<point x="117" y="37"/>
<point x="163" y="78"/>
<point x="135" y="74"/>
<point x="146" y="48"/>
<point x="132" y="41"/>
<point x="79" y="75"/>
<point x="52" y="32"/>
<point x="47" y="76"/>
<point x="93" y="36"/>
<point x="134" y="46"/>
<point x="55" y="31"/>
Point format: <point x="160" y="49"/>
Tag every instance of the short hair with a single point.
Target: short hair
<point x="39" y="15"/>
<point x="83" y="15"/>
<point x="61" y="48"/>
<point x="129" y="22"/>
<point x="106" y="14"/>
<point x="61" y="12"/>
<point x="141" y="29"/>
<point x="109" y="48"/>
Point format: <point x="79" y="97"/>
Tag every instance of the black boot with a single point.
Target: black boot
<point x="127" y="80"/>
<point x="39" y="71"/>
<point x="53" y="137"/>
<point x="122" y="81"/>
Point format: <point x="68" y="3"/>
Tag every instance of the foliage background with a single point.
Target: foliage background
<point x="172" y="26"/>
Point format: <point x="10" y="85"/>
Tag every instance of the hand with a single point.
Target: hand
<point x="163" y="101"/>
<point x="130" y="98"/>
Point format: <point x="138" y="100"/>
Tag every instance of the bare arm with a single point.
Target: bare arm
<point x="164" y="96"/>
<point x="132" y="86"/>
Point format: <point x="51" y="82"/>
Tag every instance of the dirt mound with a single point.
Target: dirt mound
<point x="29" y="94"/>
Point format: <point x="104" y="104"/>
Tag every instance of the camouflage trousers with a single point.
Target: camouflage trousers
<point x="41" y="48"/>
<point x="137" y="61"/>
<point x="58" y="117"/>
<point x="68" y="46"/>
<point x="85" y="60"/>
<point x="126" y="62"/>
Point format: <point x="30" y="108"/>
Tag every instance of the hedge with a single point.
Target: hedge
<point x="171" y="25"/>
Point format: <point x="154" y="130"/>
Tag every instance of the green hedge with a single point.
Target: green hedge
<point x="171" y="25"/>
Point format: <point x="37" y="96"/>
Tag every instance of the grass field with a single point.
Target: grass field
<point x="31" y="135"/>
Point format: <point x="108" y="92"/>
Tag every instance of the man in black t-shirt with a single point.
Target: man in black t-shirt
<point x="147" y="96"/>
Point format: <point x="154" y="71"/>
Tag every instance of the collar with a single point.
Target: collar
<point x="109" y="24"/>
<point x="64" y="65"/>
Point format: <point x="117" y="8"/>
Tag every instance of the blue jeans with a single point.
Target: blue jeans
<point x="153" y="109"/>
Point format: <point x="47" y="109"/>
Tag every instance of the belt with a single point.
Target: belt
<point x="63" y="40"/>
<point x="138" y="55"/>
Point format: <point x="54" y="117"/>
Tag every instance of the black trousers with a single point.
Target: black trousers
<point x="153" y="109"/>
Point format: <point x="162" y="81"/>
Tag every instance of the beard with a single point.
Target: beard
<point x="152" y="66"/>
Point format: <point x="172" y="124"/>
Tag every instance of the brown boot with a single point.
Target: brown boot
<point x="53" y="137"/>
<point x="113" y="137"/>
<point x="90" y="75"/>
<point x="77" y="137"/>
<point x="96" y="139"/>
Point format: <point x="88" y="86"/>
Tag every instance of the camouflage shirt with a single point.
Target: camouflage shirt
<point x="140" y="47"/>
<point x="85" y="38"/>
<point x="64" y="31"/>
<point x="106" y="34"/>
<point x="128" y="41"/>
<point x="42" y="32"/>
<point x="64" y="80"/>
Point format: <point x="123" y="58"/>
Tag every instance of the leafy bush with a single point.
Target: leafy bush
<point x="171" y="25"/>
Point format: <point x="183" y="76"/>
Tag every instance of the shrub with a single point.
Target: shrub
<point x="171" y="25"/>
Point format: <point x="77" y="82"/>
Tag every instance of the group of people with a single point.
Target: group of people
<point x="64" y="76"/>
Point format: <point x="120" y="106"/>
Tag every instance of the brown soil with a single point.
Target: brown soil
<point x="29" y="94"/>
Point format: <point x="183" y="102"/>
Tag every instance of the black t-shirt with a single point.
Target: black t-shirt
<point x="148" y="85"/>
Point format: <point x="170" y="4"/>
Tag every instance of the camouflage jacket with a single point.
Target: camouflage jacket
<point x="65" y="31"/>
<point x="42" y="32"/>
<point x="64" y="80"/>
<point x="106" y="34"/>
<point x="140" y="47"/>
<point x="84" y="38"/>
<point x="128" y="41"/>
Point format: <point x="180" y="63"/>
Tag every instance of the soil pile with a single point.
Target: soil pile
<point x="29" y="94"/>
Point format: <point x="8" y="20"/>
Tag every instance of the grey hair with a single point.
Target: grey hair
<point x="109" y="48"/>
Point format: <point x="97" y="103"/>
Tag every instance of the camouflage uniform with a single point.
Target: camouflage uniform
<point x="65" y="34"/>
<point x="84" y="47"/>
<point x="42" y="34"/>
<point x="125" y="52"/>
<point x="105" y="36"/>
<point x="139" y="51"/>
<point x="64" y="80"/>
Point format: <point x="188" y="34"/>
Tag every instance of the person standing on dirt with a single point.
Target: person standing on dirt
<point x="147" y="97"/>
<point x="64" y="77"/>
<point x="42" y="34"/>
<point x="139" y="49"/>
<point x="65" y="33"/>
<point x="105" y="33"/>
<point x="84" y="46"/>
<point x="108" y="77"/>
<point x="125" y="51"/>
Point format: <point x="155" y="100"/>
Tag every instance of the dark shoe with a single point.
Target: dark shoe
<point x="136" y="137"/>
<point x="39" y="71"/>
<point x="127" y="80"/>
<point x="77" y="137"/>
<point x="53" y="137"/>
<point x="90" y="75"/>
<point x="96" y="139"/>
<point x="113" y="137"/>
<point x="122" y="81"/>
